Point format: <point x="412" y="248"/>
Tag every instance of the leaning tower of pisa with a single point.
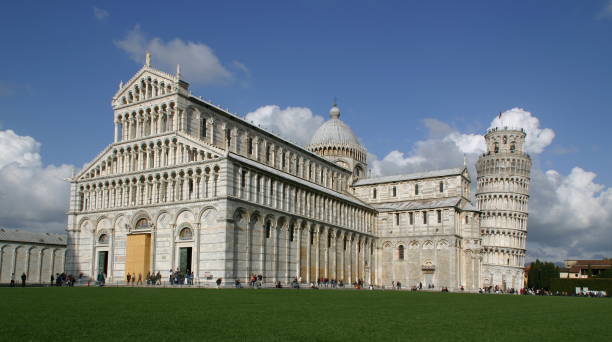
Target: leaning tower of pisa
<point x="502" y="195"/>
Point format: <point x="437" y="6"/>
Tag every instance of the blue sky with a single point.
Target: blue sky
<point x="391" y="64"/>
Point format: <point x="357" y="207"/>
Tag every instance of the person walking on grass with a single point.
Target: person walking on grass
<point x="129" y="277"/>
<point x="139" y="279"/>
<point x="218" y="283"/>
<point x="133" y="278"/>
<point x="23" y="279"/>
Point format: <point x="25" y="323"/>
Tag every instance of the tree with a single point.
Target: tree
<point x="541" y="273"/>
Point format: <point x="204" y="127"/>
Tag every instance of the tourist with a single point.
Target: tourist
<point x="100" y="280"/>
<point x="52" y="279"/>
<point x="13" y="280"/>
<point x="129" y="277"/>
<point x="23" y="279"/>
<point x="218" y="283"/>
<point x="139" y="282"/>
<point x="133" y="278"/>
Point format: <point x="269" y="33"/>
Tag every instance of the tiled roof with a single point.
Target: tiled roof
<point x="18" y="235"/>
<point x="411" y="176"/>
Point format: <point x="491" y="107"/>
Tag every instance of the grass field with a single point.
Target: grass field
<point x="138" y="314"/>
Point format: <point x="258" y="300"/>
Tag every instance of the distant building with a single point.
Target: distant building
<point x="580" y="269"/>
<point x="38" y="255"/>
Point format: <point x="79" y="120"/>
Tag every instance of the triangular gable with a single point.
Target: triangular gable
<point x="160" y="81"/>
<point x="109" y="150"/>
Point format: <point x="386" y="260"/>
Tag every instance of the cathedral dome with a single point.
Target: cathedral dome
<point x="334" y="132"/>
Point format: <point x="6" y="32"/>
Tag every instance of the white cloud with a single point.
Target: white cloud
<point x="199" y="64"/>
<point x="537" y="138"/>
<point x="100" y="13"/>
<point x="32" y="196"/>
<point x="298" y="124"/>
<point x="570" y="215"/>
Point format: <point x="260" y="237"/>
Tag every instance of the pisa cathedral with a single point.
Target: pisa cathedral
<point x="186" y="185"/>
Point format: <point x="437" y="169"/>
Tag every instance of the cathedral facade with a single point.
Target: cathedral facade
<point x="188" y="186"/>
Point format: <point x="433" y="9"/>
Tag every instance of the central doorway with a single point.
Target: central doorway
<point x="103" y="262"/>
<point x="185" y="259"/>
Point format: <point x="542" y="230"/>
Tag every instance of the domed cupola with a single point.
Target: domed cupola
<point x="336" y="142"/>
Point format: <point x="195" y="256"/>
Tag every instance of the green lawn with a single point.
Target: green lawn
<point x="136" y="314"/>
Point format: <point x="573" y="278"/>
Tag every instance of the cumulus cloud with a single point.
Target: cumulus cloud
<point x="32" y="196"/>
<point x="199" y="64"/>
<point x="537" y="138"/>
<point x="100" y="14"/>
<point x="298" y="124"/>
<point x="570" y="215"/>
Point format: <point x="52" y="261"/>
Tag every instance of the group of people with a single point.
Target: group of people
<point x="62" y="279"/>
<point x="181" y="278"/>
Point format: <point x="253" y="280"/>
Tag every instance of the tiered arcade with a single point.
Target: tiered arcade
<point x="502" y="197"/>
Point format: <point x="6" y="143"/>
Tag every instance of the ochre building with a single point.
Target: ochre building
<point x="188" y="186"/>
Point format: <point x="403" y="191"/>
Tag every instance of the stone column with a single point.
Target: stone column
<point x="287" y="252"/>
<point x="342" y="256"/>
<point x="318" y="252"/>
<point x="116" y="139"/>
<point x="308" y="253"/>
<point x="27" y="263"/>
<point x="276" y="231"/>
<point x="350" y="258"/>
<point x="40" y="264"/>
<point x="197" y="249"/>
<point x="111" y="257"/>
<point x="249" y="247"/>
<point x="172" y="245"/>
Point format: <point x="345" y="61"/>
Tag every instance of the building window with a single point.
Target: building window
<point x="397" y="219"/>
<point x="411" y="215"/>
<point x="142" y="223"/>
<point x="496" y="147"/>
<point x="186" y="234"/>
<point x="374" y="193"/>
<point x="328" y="240"/>
<point x="267" y="228"/>
<point x="103" y="239"/>
<point x="424" y="217"/>
<point x="283" y="160"/>
<point x="268" y="154"/>
<point x="512" y="148"/>
<point x="439" y="212"/>
<point x="394" y="191"/>
<point x="202" y="128"/>
<point x="243" y="179"/>
<point x="505" y="140"/>
<point x="345" y="243"/>
<point x="441" y="186"/>
<point x="291" y="233"/>
<point x="250" y="145"/>
<point x="228" y="137"/>
<point x="467" y="219"/>
<point x="416" y="189"/>
<point x="400" y="251"/>
<point x="311" y="238"/>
